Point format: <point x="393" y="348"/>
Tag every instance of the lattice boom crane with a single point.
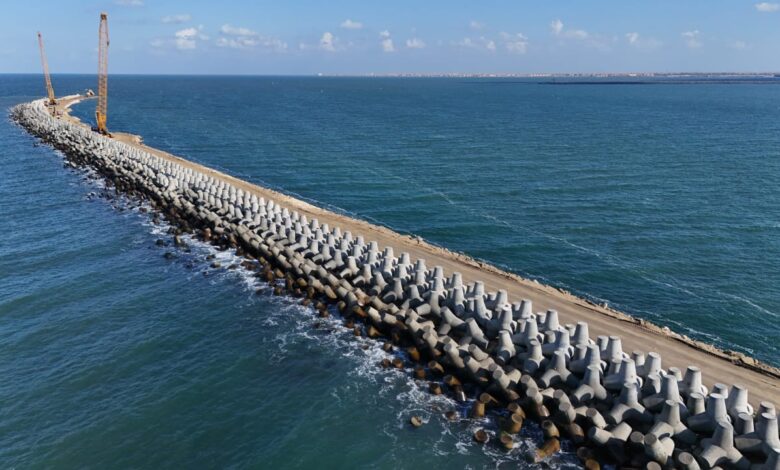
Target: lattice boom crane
<point x="49" y="90"/>
<point x="101" y="112"/>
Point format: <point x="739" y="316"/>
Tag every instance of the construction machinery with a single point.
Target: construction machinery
<point x="49" y="90"/>
<point x="101" y="112"/>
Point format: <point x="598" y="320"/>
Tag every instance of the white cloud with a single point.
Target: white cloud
<point x="556" y="26"/>
<point x="244" y="42"/>
<point x="130" y="3"/>
<point x="415" y="43"/>
<point x="229" y="30"/>
<point x="328" y="42"/>
<point x="477" y="43"/>
<point x="467" y="42"/>
<point x="237" y="43"/>
<point x="157" y="43"/>
<point x="767" y="7"/>
<point x="349" y="24"/>
<point x="187" y="39"/>
<point x="692" y="39"/>
<point x="515" y="43"/>
<point x="476" y="25"/>
<point x="387" y="41"/>
<point x="576" y="34"/>
<point x="740" y="45"/>
<point x="176" y="19"/>
<point x="237" y="37"/>
<point x="642" y="42"/>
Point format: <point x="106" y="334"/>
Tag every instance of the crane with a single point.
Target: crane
<point x="102" y="104"/>
<point x="49" y="90"/>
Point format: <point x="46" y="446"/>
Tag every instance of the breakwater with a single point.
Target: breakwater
<point x="481" y="343"/>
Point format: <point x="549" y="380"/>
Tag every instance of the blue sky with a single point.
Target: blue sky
<point x="364" y="36"/>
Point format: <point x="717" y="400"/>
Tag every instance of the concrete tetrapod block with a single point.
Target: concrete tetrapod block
<point x="420" y="273"/>
<point x="590" y="388"/>
<point x="687" y="461"/>
<point x="762" y="439"/>
<point x="659" y="449"/>
<point x="581" y="335"/>
<point x="532" y="358"/>
<point x="393" y="293"/>
<point x="505" y="320"/>
<point x="772" y="462"/>
<point x="737" y="401"/>
<point x="669" y="424"/>
<point x="529" y="331"/>
<point x="595" y="418"/>
<point x="669" y="391"/>
<point x="691" y="382"/>
<point x="477" y="336"/>
<point x="557" y="373"/>
<point x="550" y="321"/>
<point x="626" y="373"/>
<point x="364" y="277"/>
<point x="614" y="440"/>
<point x="766" y="407"/>
<point x="592" y="358"/>
<point x="412" y="298"/>
<point x="456" y="299"/>
<point x="523" y="311"/>
<point x="496" y="301"/>
<point x="652" y="365"/>
<point x="743" y="424"/>
<point x="453" y="354"/>
<point x="720" y="451"/>
<point x="696" y="404"/>
<point x="479" y="310"/>
<point x="613" y="352"/>
<point x="533" y="396"/>
<point x="560" y="341"/>
<point x="506" y="349"/>
<point x="628" y="408"/>
<point x="714" y="413"/>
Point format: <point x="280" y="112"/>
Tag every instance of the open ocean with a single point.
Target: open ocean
<point x="662" y="200"/>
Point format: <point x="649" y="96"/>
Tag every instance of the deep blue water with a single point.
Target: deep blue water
<point x="661" y="200"/>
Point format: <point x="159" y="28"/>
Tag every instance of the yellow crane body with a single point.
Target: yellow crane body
<point x="49" y="90"/>
<point x="101" y="112"/>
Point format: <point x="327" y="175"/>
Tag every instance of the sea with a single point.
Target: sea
<point x="120" y="350"/>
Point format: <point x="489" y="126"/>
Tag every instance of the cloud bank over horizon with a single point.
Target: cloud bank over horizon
<point x="351" y="37"/>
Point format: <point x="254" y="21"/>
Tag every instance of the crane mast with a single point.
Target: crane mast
<point x="101" y="112"/>
<point x="49" y="90"/>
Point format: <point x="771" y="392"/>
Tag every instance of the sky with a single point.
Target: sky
<point x="398" y="36"/>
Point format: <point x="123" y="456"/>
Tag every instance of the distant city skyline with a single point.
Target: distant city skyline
<point x="401" y="37"/>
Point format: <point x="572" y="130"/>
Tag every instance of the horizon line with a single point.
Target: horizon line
<point x="427" y="74"/>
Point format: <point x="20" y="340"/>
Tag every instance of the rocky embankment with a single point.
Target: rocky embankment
<point x="482" y="348"/>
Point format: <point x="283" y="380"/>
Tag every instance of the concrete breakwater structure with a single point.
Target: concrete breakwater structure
<point x="584" y="374"/>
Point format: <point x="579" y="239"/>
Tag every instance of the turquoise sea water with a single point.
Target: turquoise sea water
<point x="659" y="199"/>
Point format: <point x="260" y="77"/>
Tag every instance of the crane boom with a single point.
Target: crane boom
<point x="101" y="112"/>
<point x="45" y="63"/>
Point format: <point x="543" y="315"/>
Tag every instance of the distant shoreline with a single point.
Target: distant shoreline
<point x="624" y="76"/>
<point x="722" y="81"/>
